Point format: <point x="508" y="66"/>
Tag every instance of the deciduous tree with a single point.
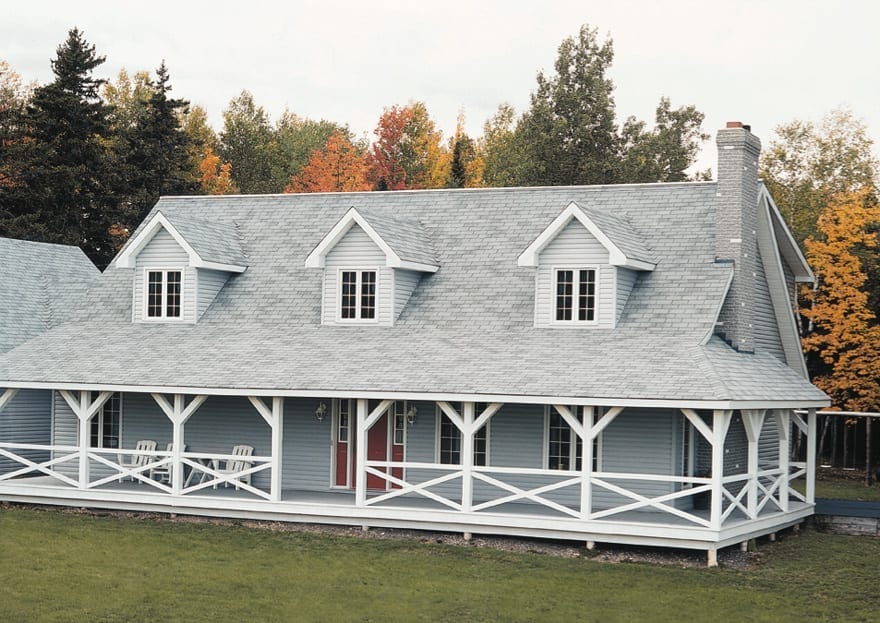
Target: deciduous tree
<point x="845" y="329"/>
<point x="339" y="166"/>
<point x="248" y="142"/>
<point x="216" y="176"/>
<point x="408" y="150"/>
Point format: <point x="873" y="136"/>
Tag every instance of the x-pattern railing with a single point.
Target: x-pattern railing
<point x="43" y="467"/>
<point x="423" y="488"/>
<point x="206" y="466"/>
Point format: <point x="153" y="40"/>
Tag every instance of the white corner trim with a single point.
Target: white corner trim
<point x="530" y="257"/>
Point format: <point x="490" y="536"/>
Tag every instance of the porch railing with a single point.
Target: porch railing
<point x="58" y="456"/>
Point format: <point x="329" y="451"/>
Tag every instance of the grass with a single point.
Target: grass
<point x="58" y="566"/>
<point x="841" y="484"/>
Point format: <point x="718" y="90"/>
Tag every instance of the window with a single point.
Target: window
<point x="164" y="293"/>
<point x="575" y="295"/>
<point x="564" y="447"/>
<point x="449" y="438"/>
<point x="105" y="423"/>
<point x="343" y="422"/>
<point x="398" y="422"/>
<point x="357" y="299"/>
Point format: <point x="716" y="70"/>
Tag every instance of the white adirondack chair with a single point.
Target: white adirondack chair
<point x="233" y="466"/>
<point x="164" y="471"/>
<point x="137" y="460"/>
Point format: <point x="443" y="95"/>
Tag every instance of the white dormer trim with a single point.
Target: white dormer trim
<point x="127" y="258"/>
<point x="530" y="257"/>
<point x="317" y="258"/>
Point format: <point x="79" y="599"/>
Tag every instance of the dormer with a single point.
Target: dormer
<point x="586" y="262"/>
<point x="180" y="265"/>
<point x="372" y="263"/>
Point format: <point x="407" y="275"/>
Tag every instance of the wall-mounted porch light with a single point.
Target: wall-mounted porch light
<point x="411" y="414"/>
<point x="321" y="412"/>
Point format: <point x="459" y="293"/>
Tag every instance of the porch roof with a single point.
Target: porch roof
<point x="468" y="328"/>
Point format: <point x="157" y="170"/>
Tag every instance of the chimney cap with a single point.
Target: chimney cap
<point x="739" y="124"/>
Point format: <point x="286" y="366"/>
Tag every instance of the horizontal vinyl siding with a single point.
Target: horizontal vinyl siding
<point x="405" y="281"/>
<point x="767" y="338"/>
<point x="574" y="246"/>
<point x="162" y="251"/>
<point x="768" y="444"/>
<point x="27" y="418"/>
<point x="210" y="282"/>
<point x="307" y="446"/>
<point x="626" y="278"/>
<point x="356" y="250"/>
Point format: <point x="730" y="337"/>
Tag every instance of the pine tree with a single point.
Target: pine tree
<point x="63" y="191"/>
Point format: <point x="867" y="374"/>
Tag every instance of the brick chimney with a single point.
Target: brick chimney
<point x="736" y="224"/>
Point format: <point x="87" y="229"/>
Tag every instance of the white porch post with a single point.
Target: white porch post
<point x="467" y="458"/>
<point x="277" y="446"/>
<point x="587" y="465"/>
<point x="753" y="421"/>
<point x="811" y="456"/>
<point x="179" y="413"/>
<point x="783" y="426"/>
<point x="85" y="435"/>
<point x="720" y="424"/>
<point x="275" y="419"/>
<point x="84" y="408"/>
<point x="360" y="480"/>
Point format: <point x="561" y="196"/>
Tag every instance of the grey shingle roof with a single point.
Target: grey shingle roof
<point x="406" y="236"/>
<point x="214" y="241"/>
<point x="40" y="284"/>
<point x="621" y="232"/>
<point x="466" y="329"/>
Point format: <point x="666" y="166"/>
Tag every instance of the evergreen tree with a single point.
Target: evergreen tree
<point x="62" y="190"/>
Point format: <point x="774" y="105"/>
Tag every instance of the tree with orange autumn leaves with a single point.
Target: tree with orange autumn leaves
<point x="216" y="176"/>
<point x="339" y="166"/>
<point x="846" y="333"/>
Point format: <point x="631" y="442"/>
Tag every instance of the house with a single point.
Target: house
<point x="41" y="284"/>
<point x="612" y="363"/>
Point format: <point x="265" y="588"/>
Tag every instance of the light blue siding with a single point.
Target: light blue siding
<point x="626" y="278"/>
<point x="27" y="419"/>
<point x="767" y="338"/>
<point x="405" y="281"/>
<point x="574" y="246"/>
<point x="210" y="283"/>
<point x="162" y="251"/>
<point x="307" y="446"/>
<point x="357" y="250"/>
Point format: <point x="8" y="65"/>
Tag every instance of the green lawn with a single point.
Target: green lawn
<point x="77" y="567"/>
<point x="840" y="485"/>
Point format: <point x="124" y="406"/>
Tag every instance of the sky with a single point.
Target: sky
<point x="762" y="62"/>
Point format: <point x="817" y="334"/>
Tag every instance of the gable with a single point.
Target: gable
<point x="356" y="248"/>
<point x="574" y="245"/>
<point x="162" y="250"/>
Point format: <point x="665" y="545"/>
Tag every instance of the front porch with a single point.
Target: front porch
<point x="611" y="489"/>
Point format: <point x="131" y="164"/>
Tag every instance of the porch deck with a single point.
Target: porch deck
<point x="640" y="527"/>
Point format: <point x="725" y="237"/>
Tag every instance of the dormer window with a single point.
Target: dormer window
<point x="575" y="295"/>
<point x="357" y="298"/>
<point x="164" y="289"/>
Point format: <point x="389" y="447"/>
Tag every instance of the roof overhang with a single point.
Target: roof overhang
<point x="434" y="396"/>
<point x="788" y="247"/>
<point x="317" y="258"/>
<point x="128" y="256"/>
<point x="616" y="257"/>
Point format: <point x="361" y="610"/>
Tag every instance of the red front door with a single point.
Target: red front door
<point x="377" y="450"/>
<point x="387" y="434"/>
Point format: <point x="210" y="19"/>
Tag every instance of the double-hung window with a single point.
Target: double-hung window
<point x="164" y="292"/>
<point x="575" y="295"/>
<point x="104" y="431"/>
<point x="564" y="447"/>
<point x="450" y="441"/>
<point x="357" y="297"/>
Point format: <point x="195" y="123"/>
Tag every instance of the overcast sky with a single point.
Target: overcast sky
<point x="761" y="62"/>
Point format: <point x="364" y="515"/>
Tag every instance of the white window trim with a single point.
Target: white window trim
<point x="145" y="278"/>
<point x="597" y="448"/>
<point x="358" y="270"/>
<point x="334" y="440"/>
<point x="574" y="322"/>
<point x="438" y="419"/>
